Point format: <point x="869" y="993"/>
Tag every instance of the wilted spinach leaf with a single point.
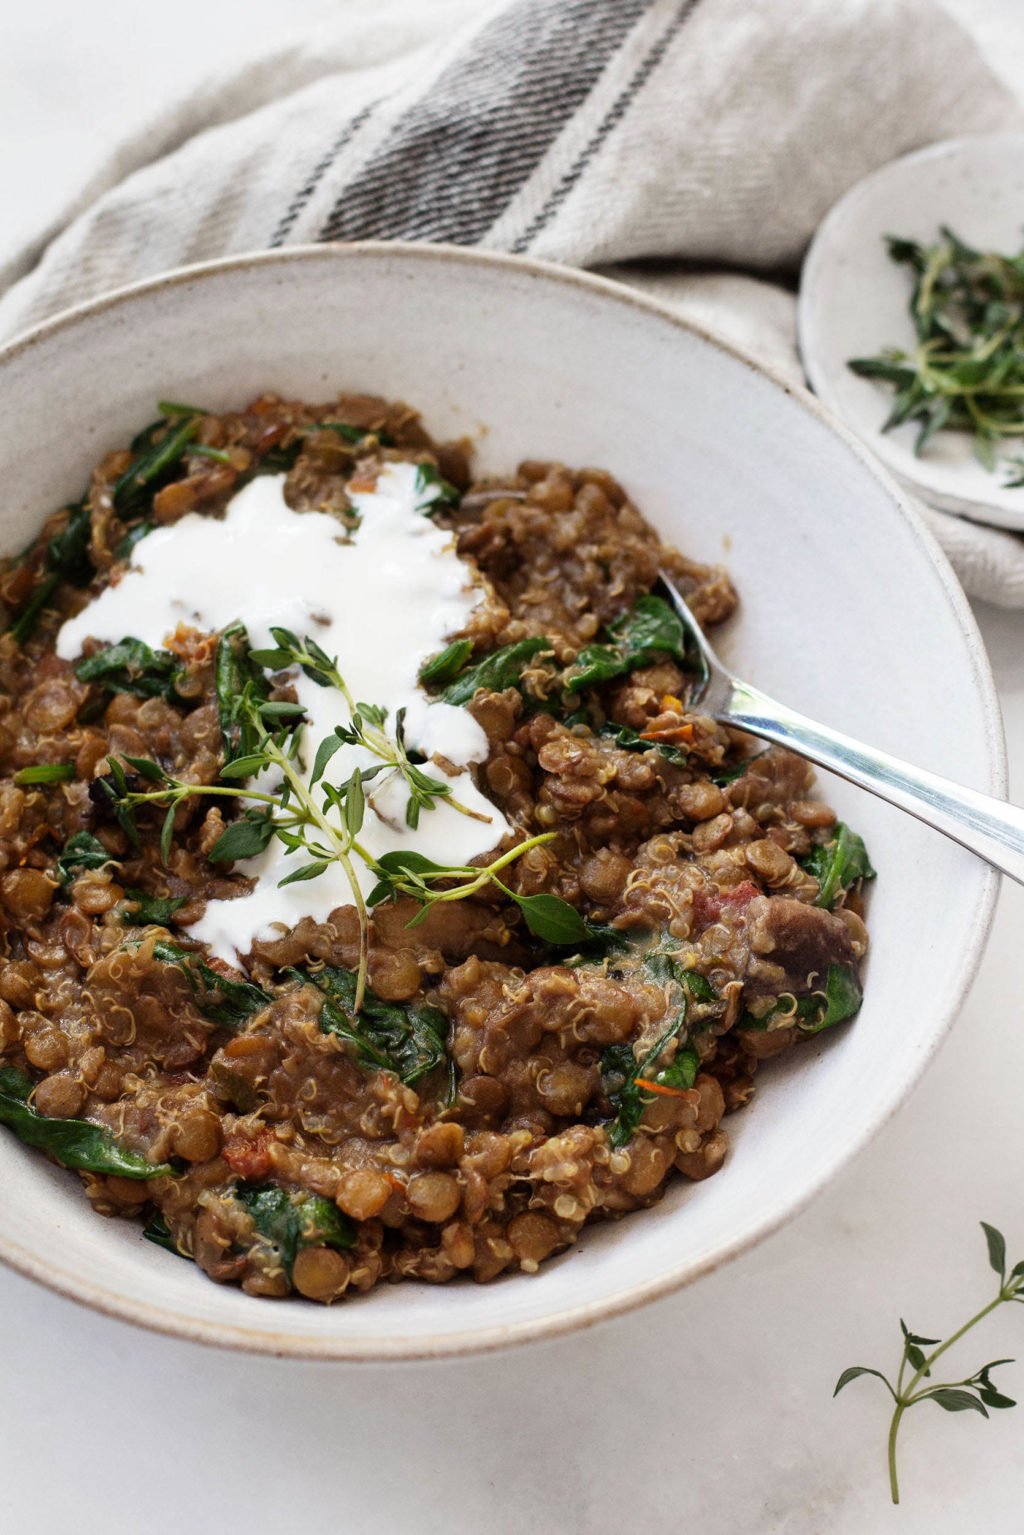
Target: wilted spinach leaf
<point x="434" y="490"/>
<point x="837" y="864"/>
<point x="152" y="464"/>
<point x="132" y="667"/>
<point x="447" y="664"/>
<point x="290" y="1222"/>
<point x="81" y="851"/>
<point x="407" y="1038"/>
<point x="225" y="1002"/>
<point x="72" y="1142"/>
<point x="620" y="1071"/>
<point x="150" y="910"/>
<point x="650" y="628"/>
<point x="629" y="740"/>
<point x="159" y="1233"/>
<point x="838" y="1000"/>
<point x="499" y="670"/>
<point x="67" y="552"/>
<point x="237" y="679"/>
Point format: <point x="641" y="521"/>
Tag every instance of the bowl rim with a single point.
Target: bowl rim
<point x="813" y="274"/>
<point x="479" y="1340"/>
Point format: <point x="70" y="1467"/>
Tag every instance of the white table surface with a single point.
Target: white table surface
<point x="709" y="1411"/>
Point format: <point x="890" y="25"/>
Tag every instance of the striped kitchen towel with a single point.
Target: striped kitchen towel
<point x="646" y="138"/>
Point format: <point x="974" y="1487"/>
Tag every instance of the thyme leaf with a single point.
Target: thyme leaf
<point x="914" y="1383"/>
<point x="45" y="772"/>
<point x="966" y="371"/>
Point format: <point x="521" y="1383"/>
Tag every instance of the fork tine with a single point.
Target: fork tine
<point x="704" y="658"/>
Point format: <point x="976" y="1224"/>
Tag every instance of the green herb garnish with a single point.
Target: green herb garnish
<point x="319" y="819"/>
<point x="966" y="371"/>
<point x="45" y="772"/>
<point x="548" y="917"/>
<point x="72" y="1142"/>
<point x="975" y="1393"/>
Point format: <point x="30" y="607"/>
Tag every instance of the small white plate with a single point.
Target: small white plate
<point x="854" y="301"/>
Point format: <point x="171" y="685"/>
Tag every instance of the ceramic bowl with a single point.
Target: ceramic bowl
<point x="849" y="612"/>
<point x="853" y="302"/>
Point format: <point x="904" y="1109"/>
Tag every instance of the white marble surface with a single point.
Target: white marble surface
<point x="710" y="1410"/>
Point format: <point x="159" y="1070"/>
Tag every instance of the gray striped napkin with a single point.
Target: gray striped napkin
<point x="641" y="137"/>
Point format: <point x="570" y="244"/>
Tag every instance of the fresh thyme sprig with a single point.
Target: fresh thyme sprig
<point x="974" y="1393"/>
<point x="367" y="728"/>
<point x="967" y="369"/>
<point x="263" y="739"/>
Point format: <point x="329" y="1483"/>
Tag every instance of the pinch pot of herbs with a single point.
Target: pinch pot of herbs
<point x="712" y="448"/>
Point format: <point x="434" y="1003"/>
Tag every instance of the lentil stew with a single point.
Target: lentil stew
<point x="466" y="1059"/>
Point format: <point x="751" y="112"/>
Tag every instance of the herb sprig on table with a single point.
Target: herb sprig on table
<point x="914" y="1382"/>
<point x="966" y="371"/>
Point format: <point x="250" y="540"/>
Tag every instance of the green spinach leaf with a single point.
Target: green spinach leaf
<point x="237" y="681"/>
<point x="150" y="910"/>
<point x="838" y="1000"/>
<point x="132" y="667"/>
<point x="291" y="1222"/>
<point x="157" y="451"/>
<point x="159" y="1233"/>
<point x="495" y="672"/>
<point x="81" y="851"/>
<point x="410" y="1039"/>
<point x="620" y="1072"/>
<point x="629" y="740"/>
<point x="838" y="864"/>
<point x="434" y="490"/>
<point x="74" y="1143"/>
<point x="446" y="665"/>
<point x="651" y="628"/>
<point x="67" y="552"/>
<point x="225" y="1002"/>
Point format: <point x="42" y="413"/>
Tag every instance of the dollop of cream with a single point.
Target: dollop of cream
<point x="382" y="598"/>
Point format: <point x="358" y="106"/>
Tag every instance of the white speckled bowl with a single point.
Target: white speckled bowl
<point x="853" y="302"/>
<point x="848" y="611"/>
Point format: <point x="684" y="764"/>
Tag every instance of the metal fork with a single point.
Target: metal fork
<point x="991" y="828"/>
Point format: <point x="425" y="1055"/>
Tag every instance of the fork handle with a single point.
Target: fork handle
<point x="991" y="828"/>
